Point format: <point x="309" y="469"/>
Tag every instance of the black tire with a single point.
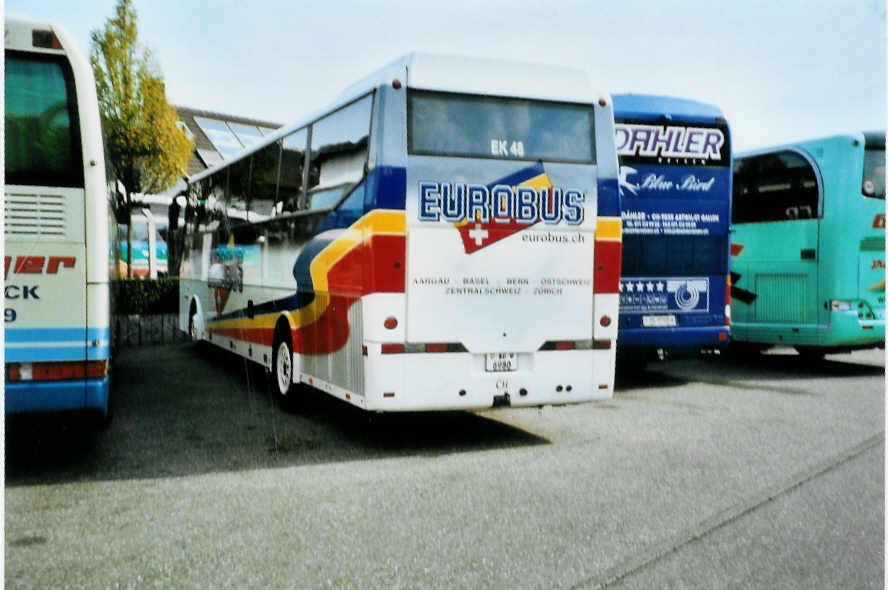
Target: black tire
<point x="286" y="394"/>
<point x="200" y="346"/>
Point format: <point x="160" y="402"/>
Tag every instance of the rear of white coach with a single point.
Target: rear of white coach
<point x="56" y="312"/>
<point x="513" y="240"/>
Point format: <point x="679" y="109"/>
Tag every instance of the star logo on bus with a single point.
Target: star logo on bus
<point x="477" y="234"/>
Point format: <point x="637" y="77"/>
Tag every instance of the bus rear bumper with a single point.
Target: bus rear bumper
<point x="55" y="396"/>
<point x="446" y="381"/>
<point x="847" y="329"/>
<point x="674" y="338"/>
<point x="844" y="330"/>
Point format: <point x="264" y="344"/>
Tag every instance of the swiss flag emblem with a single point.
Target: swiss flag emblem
<point x="478" y="234"/>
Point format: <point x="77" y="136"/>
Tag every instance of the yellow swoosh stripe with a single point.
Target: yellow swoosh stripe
<point x="609" y="229"/>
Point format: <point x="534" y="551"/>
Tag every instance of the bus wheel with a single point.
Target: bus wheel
<point x="810" y="353"/>
<point x="192" y="324"/>
<point x="285" y="393"/>
<point x="200" y="346"/>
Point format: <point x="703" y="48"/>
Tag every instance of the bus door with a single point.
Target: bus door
<point x="488" y="266"/>
<point x="778" y="207"/>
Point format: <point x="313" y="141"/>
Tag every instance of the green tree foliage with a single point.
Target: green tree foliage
<point x="147" y="151"/>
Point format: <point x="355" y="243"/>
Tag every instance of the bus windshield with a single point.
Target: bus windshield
<point x="874" y="173"/>
<point x="507" y="128"/>
<point x="42" y="144"/>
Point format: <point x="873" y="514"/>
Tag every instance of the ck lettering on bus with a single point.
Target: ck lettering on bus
<point x="456" y="202"/>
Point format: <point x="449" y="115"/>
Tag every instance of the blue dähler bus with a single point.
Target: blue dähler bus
<point x="675" y="183"/>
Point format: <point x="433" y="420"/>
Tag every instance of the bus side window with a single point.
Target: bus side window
<point x="264" y="179"/>
<point x="338" y="156"/>
<point x="290" y="184"/>
<point x="237" y="195"/>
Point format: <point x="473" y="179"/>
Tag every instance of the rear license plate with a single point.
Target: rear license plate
<point x="501" y="362"/>
<point x="658" y="321"/>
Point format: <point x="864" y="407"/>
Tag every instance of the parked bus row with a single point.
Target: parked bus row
<point x="802" y="231"/>
<point x="443" y="236"/>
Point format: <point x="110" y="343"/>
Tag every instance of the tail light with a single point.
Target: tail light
<point x="392" y="349"/>
<point x="728" y="300"/>
<point x="837" y="305"/>
<point x="413" y="348"/>
<point x="608" y="255"/>
<point x="60" y="371"/>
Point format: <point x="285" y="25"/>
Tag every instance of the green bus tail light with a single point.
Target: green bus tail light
<point x="838" y="305"/>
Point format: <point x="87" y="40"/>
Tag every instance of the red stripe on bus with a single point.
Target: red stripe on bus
<point x="607" y="266"/>
<point x="375" y="266"/>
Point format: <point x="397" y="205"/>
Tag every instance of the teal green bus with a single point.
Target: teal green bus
<point x="808" y="245"/>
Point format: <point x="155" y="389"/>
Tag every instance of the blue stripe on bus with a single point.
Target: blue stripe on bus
<point x="56" y="353"/>
<point x="386" y="188"/>
<point x="55" y="334"/>
<point x="608" y="197"/>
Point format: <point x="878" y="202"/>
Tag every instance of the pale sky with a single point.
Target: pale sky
<point x="781" y="71"/>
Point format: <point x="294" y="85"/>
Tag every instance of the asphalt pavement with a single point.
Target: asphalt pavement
<point x="700" y="473"/>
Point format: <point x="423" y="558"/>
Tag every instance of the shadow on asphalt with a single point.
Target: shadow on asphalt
<point x="650" y="376"/>
<point x="789" y="365"/>
<point x="179" y="411"/>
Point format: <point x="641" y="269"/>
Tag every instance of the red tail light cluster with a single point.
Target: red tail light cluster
<point x="728" y="300"/>
<point x="392" y="349"/>
<point x="608" y="255"/>
<point x="400" y="348"/>
<point x="607" y="266"/>
<point x="59" y="371"/>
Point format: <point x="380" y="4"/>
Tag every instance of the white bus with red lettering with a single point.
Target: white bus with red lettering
<point x="56" y="263"/>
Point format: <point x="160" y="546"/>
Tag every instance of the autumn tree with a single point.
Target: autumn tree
<point x="147" y="151"/>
